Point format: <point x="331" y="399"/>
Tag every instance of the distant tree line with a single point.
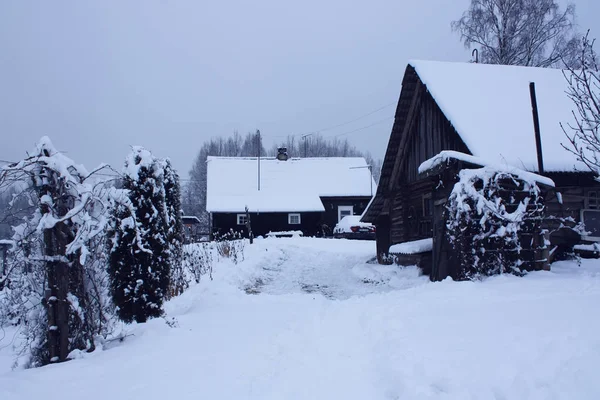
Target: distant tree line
<point x="236" y="145"/>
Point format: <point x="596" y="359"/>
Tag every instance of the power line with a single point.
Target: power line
<point x="364" y="127"/>
<point x="338" y="125"/>
<point x="356" y="119"/>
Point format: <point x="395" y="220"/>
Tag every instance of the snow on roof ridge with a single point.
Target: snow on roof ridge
<point x="415" y="62"/>
<point x="289" y="159"/>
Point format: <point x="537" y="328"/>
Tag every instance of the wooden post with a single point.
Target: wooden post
<point x="249" y="226"/>
<point x="383" y="238"/>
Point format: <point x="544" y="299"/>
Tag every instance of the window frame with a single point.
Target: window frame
<point x="292" y="215"/>
<point x="240" y="216"/>
<point x="582" y="219"/>
<point x="344" y="208"/>
<point x="427" y="201"/>
<point x="595" y="204"/>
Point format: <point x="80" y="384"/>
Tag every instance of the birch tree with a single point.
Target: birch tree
<point x="536" y="33"/>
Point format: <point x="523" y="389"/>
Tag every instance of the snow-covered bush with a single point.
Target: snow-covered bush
<point x="198" y="260"/>
<point x="175" y="234"/>
<point x="231" y="245"/>
<point x="139" y="261"/>
<point x="494" y="222"/>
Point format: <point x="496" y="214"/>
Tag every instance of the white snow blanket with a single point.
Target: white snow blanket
<point x="490" y="107"/>
<point x="327" y="325"/>
<point x="285" y="233"/>
<point x="414" y="247"/>
<point x="296" y="185"/>
<point x="587" y="247"/>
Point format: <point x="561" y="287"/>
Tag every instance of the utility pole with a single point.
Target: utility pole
<point x="371" y="178"/>
<point x="258" y="146"/>
<point x="306" y="143"/>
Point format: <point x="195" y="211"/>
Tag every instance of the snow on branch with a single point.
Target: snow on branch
<point x="67" y="192"/>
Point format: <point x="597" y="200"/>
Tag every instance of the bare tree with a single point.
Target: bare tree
<point x="584" y="91"/>
<point x="533" y="33"/>
<point x="56" y="247"/>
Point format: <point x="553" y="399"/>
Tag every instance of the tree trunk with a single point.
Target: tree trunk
<point x="57" y="271"/>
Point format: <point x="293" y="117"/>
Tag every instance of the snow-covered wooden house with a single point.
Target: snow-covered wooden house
<point x="452" y="116"/>
<point x="286" y="195"/>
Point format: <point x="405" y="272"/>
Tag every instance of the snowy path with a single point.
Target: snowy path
<point x="395" y="336"/>
<point x="337" y="269"/>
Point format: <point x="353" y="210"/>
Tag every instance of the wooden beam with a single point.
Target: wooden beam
<point x="410" y="117"/>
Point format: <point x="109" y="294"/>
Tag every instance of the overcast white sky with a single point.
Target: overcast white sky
<point x="100" y="76"/>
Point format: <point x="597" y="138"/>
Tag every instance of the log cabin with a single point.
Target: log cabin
<point x="485" y="112"/>
<point x="191" y="228"/>
<point x="285" y="194"/>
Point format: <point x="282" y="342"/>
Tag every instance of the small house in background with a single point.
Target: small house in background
<point x="286" y="194"/>
<point x="191" y="228"/>
<point x="456" y="116"/>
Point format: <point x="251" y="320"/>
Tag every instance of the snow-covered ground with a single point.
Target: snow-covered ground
<point x="309" y="318"/>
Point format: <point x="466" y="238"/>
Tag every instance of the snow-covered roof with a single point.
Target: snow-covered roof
<point x="490" y="108"/>
<point x="293" y="185"/>
<point x="448" y="155"/>
<point x="190" y="218"/>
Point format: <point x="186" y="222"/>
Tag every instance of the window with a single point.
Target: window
<point x="242" y="219"/>
<point x="427" y="205"/>
<point x="592" y="200"/>
<point x="344" y="211"/>
<point x="412" y="220"/>
<point x="591" y="219"/>
<point x="294" y="219"/>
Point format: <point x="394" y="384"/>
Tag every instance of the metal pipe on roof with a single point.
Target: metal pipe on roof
<point x="258" y="140"/>
<point x="536" y="127"/>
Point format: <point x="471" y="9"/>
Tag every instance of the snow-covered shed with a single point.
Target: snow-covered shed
<point x="482" y="111"/>
<point x="306" y="194"/>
